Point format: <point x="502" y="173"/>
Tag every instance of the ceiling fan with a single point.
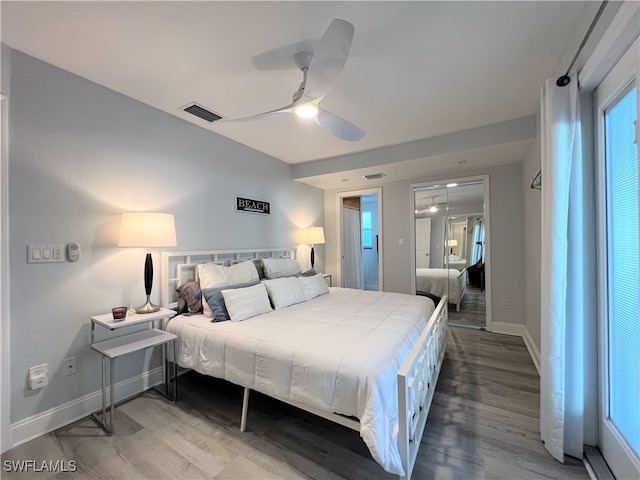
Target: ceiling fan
<point x="320" y="70"/>
<point x="432" y="205"/>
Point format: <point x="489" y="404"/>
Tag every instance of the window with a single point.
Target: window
<point x="366" y="230"/>
<point x="623" y="286"/>
<point x="616" y="101"/>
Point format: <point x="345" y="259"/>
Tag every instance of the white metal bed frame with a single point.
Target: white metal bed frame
<point x="416" y="377"/>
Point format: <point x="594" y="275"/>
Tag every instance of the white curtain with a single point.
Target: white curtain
<point x="568" y="416"/>
<point x="351" y="249"/>
<point x="477" y="253"/>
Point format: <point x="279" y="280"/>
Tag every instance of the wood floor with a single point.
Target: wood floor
<point x="483" y="425"/>
<point x="472" y="309"/>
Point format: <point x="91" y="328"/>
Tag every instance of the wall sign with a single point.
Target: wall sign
<point x="252" y="206"/>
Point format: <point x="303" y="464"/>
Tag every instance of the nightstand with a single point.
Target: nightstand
<point x="327" y="276"/>
<point x="113" y="348"/>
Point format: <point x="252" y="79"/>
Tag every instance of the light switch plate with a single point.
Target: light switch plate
<point x="45" y="253"/>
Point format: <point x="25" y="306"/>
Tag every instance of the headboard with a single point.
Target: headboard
<point x="180" y="267"/>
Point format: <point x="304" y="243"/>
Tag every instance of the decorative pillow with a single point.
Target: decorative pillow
<point x="243" y="303"/>
<point x="286" y="291"/>
<point x="281" y="267"/>
<point x="188" y="301"/>
<point x="213" y="297"/>
<point x="315" y="286"/>
<point x="309" y="273"/>
<point x="260" y="268"/>
<point x="212" y="275"/>
<point x="258" y="264"/>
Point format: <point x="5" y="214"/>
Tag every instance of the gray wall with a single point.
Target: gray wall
<point x="507" y="237"/>
<point x="533" y="233"/>
<point x="80" y="155"/>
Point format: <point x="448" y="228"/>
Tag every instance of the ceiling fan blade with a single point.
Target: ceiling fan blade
<point x="328" y="59"/>
<point x="285" y="109"/>
<point x="338" y="127"/>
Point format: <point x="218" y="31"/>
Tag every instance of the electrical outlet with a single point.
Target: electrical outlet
<point x="38" y="376"/>
<point x="69" y="366"/>
<point x="506" y="303"/>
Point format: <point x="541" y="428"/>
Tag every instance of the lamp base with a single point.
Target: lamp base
<point x="148" y="307"/>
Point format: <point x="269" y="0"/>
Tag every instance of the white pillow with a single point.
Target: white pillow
<point x="286" y="291"/>
<point x="281" y="267"/>
<point x="315" y="285"/>
<point x="212" y="275"/>
<point x="243" y="303"/>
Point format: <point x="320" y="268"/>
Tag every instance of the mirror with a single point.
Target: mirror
<point x="450" y="247"/>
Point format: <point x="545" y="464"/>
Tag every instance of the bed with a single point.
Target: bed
<point x="443" y="282"/>
<point x="367" y="360"/>
<point x="456" y="262"/>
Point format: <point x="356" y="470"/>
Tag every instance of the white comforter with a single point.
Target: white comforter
<point x="339" y="352"/>
<point x="441" y="282"/>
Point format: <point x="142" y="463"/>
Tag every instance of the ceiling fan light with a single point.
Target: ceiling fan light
<point x="306" y="110"/>
<point x="433" y="209"/>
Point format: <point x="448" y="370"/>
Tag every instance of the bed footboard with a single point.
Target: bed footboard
<point x="417" y="379"/>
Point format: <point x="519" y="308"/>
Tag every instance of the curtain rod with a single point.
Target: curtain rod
<point x="564" y="80"/>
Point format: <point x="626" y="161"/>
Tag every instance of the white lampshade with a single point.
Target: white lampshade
<point x="452" y="243"/>
<point x="310" y="236"/>
<point x="147" y="229"/>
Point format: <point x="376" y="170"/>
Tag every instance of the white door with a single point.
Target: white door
<point x="618" y="268"/>
<point x="423" y="242"/>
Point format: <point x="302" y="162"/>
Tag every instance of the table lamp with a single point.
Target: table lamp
<point x="311" y="236"/>
<point x="147" y="230"/>
<point x="452" y="243"/>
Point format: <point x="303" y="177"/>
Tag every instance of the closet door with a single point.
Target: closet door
<point x="618" y="278"/>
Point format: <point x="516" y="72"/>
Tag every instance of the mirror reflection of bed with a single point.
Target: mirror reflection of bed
<point x="450" y="248"/>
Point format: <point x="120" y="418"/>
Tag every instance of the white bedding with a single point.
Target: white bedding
<point x="441" y="282"/>
<point x="339" y="352"/>
<point x="458" y="264"/>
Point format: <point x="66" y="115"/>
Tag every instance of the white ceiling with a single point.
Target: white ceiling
<point x="417" y="70"/>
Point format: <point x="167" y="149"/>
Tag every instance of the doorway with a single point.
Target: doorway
<point x="618" y="267"/>
<point x="360" y="240"/>
<point x="450" y="232"/>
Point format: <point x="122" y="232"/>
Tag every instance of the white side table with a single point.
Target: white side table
<point x="327" y="276"/>
<point x="116" y="347"/>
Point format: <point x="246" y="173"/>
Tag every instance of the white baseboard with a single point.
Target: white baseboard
<point x="519" y="331"/>
<point x="508" y="328"/>
<point x="45" y="422"/>
<point x="533" y="349"/>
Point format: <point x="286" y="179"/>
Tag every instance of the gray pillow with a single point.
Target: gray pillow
<point x="260" y="268"/>
<point x="309" y="273"/>
<point x="187" y="301"/>
<point x="215" y="300"/>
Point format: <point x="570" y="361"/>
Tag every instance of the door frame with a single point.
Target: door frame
<point x="6" y="440"/>
<point x="359" y="193"/>
<point x="487" y="232"/>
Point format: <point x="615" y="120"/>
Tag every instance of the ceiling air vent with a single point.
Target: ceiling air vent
<point x="373" y="176"/>
<point x="203" y="113"/>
